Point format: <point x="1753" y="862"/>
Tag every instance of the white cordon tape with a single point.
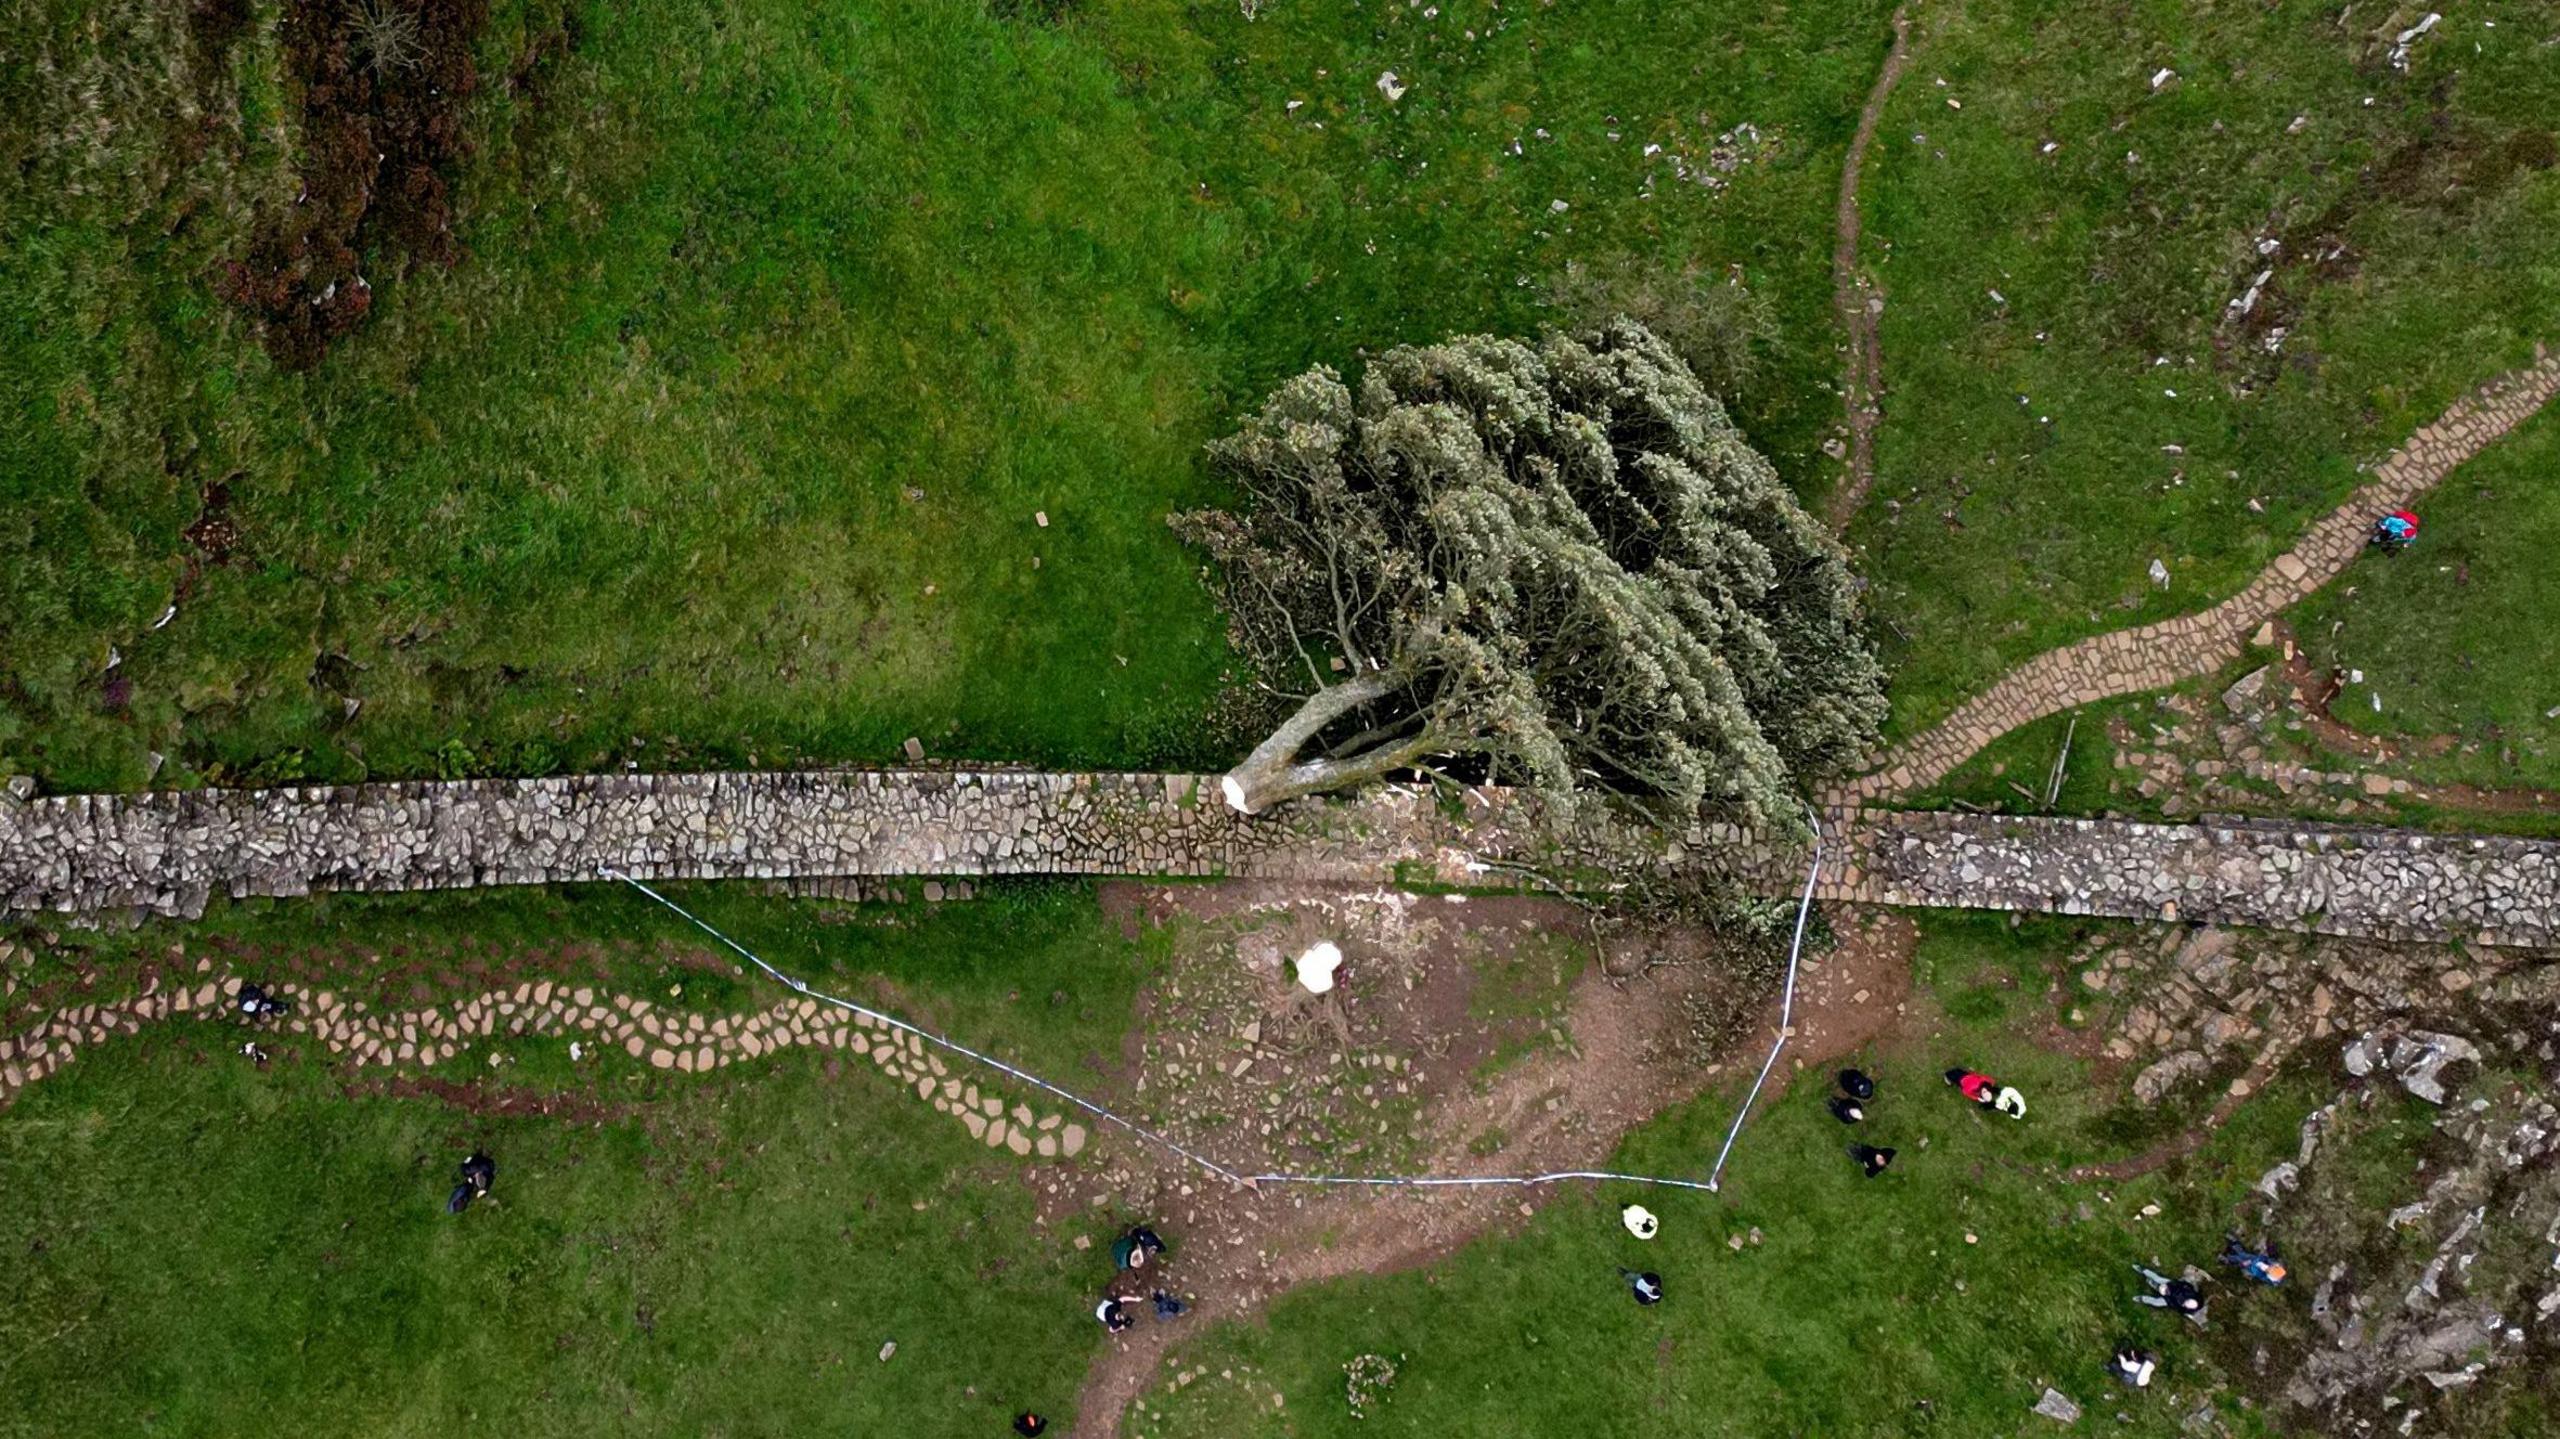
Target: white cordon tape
<point x="1786" y="1005"/>
<point x="1393" y="1181"/>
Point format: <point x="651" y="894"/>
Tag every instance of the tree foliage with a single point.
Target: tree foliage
<point x="1557" y="565"/>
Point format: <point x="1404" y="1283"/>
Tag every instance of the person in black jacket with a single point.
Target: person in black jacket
<point x="473" y="1179"/>
<point x="255" y="1003"/>
<point x="2176" y="1295"/>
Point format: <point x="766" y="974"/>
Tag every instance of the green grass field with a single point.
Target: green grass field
<point x="2443" y="637"/>
<point x="200" y="1242"/>
<point x="2451" y="636"/>
<point x="199" y="1247"/>
<point x="2057" y="316"/>
<point x="814" y="377"/>
<point x="773" y="333"/>
<point x="203" y="1249"/>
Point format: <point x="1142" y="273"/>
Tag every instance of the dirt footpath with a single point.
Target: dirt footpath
<point x="1468" y="1037"/>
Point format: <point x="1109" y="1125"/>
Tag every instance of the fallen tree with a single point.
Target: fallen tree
<point x="1556" y="565"/>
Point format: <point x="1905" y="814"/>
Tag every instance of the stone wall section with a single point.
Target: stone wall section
<point x="169" y="853"/>
<point x="2361" y="883"/>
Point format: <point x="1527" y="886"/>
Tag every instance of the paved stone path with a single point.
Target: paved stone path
<point x="416" y="1039"/>
<point x="2157" y="656"/>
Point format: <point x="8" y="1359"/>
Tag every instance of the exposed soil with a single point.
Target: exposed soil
<point x="1857" y="297"/>
<point x="2311" y="692"/>
<point x="1607" y="1055"/>
<point x="492" y="1099"/>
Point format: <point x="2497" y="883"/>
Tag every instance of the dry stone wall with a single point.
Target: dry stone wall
<point x="2362" y="883"/>
<point x="169" y="853"/>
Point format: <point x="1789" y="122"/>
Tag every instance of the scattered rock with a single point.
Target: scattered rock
<point x="2244" y="697"/>
<point x="2156" y="1081"/>
<point x="2420" y="1059"/>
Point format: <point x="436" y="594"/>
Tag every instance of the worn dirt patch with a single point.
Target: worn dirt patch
<point x="1489" y="1085"/>
<point x="1856" y="295"/>
<point x="492" y="1099"/>
<point x="2310" y="693"/>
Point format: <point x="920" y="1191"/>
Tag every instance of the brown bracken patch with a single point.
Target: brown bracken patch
<point x="383" y="86"/>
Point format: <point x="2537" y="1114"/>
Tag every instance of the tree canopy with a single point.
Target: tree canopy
<point x="1557" y="565"/>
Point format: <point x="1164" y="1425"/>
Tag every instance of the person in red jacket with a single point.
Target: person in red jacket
<point x="1974" y="1085"/>
<point x="1988" y="1092"/>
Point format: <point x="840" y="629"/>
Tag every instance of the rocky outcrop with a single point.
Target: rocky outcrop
<point x="2458" y="1288"/>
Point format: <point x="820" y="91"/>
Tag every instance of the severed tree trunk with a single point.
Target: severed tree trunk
<point x="1273" y="772"/>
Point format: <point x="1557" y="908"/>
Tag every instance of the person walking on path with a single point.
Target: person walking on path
<point x="2133" y="1367"/>
<point x="1113" y="1314"/>
<point x="255" y="1003"/>
<point x="2394" y="532"/>
<point x="2176" y="1295"/>
<point x="1872" y="1159"/>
